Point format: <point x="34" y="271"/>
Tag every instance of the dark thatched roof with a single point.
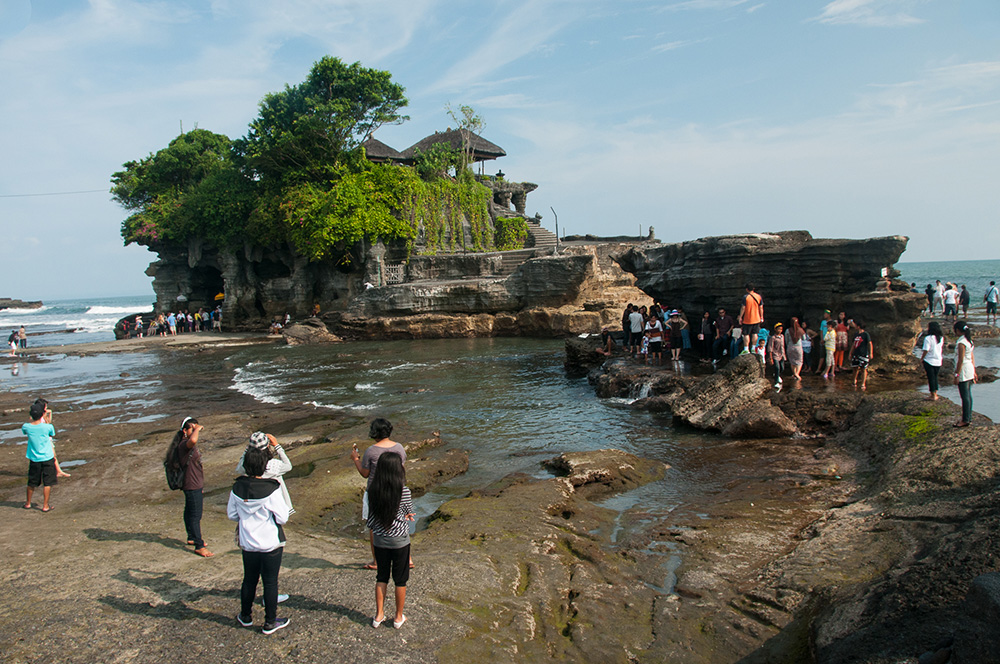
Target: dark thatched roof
<point x="481" y="148"/>
<point x="378" y="151"/>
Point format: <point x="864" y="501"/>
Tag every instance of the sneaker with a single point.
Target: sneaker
<point x="246" y="621"/>
<point x="271" y="628"/>
<point x="281" y="598"/>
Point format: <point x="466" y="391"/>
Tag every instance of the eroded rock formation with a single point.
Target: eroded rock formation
<point x="796" y="274"/>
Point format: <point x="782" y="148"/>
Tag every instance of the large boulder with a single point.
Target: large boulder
<point x="732" y="402"/>
<point x="309" y="331"/>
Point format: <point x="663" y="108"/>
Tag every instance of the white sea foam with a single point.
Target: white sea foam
<point x="103" y="311"/>
<point x="366" y="387"/>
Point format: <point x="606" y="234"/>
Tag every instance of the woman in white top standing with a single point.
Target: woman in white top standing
<point x="965" y="370"/>
<point x="932" y="356"/>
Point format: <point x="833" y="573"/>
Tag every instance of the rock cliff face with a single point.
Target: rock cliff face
<point x="796" y="274"/>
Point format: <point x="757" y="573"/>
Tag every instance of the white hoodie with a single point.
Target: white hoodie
<point x="258" y="506"/>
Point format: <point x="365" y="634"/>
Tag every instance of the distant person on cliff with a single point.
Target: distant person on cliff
<point x="391" y="510"/>
<point x="724" y="325"/>
<point x="933" y="356"/>
<point x="256" y="503"/>
<point x="963" y="301"/>
<point x="751" y="317"/>
<point x="22" y="336"/>
<point x="965" y="370"/>
<point x="991" y="299"/>
<point x="776" y="351"/>
<point x="43" y="467"/>
<point x="636" y="321"/>
<point x="862" y="354"/>
<point x="379" y="431"/>
<point x="183" y="452"/>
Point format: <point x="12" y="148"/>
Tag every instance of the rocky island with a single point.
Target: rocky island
<point x="8" y="303"/>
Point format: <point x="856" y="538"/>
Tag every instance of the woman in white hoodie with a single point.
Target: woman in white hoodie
<point x="256" y="503"/>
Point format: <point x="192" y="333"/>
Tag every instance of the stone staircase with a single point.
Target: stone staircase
<point x="510" y="260"/>
<point x="541" y="239"/>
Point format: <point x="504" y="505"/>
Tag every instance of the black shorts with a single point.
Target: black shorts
<point x="860" y="361"/>
<point x="950" y="309"/>
<point x="750" y="329"/>
<point x="42" y="472"/>
<point x="655" y="346"/>
<point x="991" y="308"/>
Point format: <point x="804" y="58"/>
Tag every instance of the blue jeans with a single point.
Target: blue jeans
<point x="194" y="501"/>
<point x="965" y="391"/>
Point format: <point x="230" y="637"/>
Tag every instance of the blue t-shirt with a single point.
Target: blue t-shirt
<point x="39" y="441"/>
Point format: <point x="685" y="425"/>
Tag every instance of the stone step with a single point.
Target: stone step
<point x="510" y="260"/>
<point x="541" y="238"/>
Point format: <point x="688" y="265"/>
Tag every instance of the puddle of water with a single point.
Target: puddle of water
<point x="72" y="464"/>
<point x="127" y="442"/>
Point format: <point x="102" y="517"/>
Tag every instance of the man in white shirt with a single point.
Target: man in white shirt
<point x="637" y="321"/>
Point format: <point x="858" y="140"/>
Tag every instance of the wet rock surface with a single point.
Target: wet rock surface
<point x="309" y="331"/>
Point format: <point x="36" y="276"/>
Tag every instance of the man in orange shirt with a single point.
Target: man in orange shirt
<point x="751" y="317"/>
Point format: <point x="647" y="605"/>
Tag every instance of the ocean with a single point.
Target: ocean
<point x="977" y="275"/>
<point x="65" y="322"/>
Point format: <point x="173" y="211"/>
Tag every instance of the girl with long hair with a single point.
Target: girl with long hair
<point x="184" y="453"/>
<point x="390" y="508"/>
<point x="794" y="347"/>
<point x="933" y="356"/>
<point x="965" y="370"/>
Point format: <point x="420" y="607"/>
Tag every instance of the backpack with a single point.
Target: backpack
<point x="175" y="475"/>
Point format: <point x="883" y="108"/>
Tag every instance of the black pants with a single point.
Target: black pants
<point x="264" y="566"/>
<point x="394" y="561"/>
<point x="194" y="501"/>
<point x="932" y="376"/>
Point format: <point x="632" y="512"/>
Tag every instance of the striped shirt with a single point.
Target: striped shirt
<point x="398" y="534"/>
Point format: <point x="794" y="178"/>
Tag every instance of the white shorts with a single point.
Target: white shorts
<point x="364" y="508"/>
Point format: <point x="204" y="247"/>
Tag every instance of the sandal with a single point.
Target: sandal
<point x="47" y="509"/>
<point x="376" y="623"/>
<point x="370" y="566"/>
<point x="399" y="624"/>
<point x="204" y="552"/>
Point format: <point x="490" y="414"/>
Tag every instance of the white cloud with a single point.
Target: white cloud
<point x="874" y="13"/>
<point x="674" y="45"/>
<point x="689" y="5"/>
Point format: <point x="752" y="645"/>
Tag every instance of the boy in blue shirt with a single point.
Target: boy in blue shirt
<point x="43" y="468"/>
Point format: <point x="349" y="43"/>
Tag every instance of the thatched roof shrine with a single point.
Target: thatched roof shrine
<point x="379" y="152"/>
<point x="481" y="148"/>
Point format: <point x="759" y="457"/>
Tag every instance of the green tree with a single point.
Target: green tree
<point x="468" y="122"/>
<point x="189" y="188"/>
<point x="305" y="132"/>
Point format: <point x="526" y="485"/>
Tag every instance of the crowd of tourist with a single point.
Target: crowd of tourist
<point x="174" y="323"/>
<point x="835" y="344"/>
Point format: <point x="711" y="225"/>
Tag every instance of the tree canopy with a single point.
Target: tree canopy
<point x="300" y="177"/>
<point x="302" y="133"/>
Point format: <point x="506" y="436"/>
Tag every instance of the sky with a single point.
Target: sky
<point x="846" y="118"/>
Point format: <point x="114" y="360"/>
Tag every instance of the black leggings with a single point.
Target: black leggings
<point x="262" y="565"/>
<point x="396" y="561"/>
<point x="932" y="376"/>
<point x="194" y="501"/>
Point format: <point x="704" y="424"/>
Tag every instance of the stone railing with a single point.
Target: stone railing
<point x="394" y="273"/>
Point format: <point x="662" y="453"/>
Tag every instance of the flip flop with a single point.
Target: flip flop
<point x="27" y="506"/>
<point x="370" y="566"/>
<point x="47" y="509"/>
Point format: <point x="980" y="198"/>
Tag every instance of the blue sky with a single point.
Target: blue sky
<point x="847" y="118"/>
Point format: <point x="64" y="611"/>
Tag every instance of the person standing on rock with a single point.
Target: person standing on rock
<point x="184" y="453"/>
<point x="636" y="323"/>
<point x="654" y="332"/>
<point x="705" y="339"/>
<point x="22" y="337"/>
<point x="751" y="317"/>
<point x="793" y="347"/>
<point x="933" y="356"/>
<point x="965" y="370"/>
<point x="862" y="354"/>
<point x="963" y="301"/>
<point x="938" y="296"/>
<point x="724" y="324"/>
<point x="776" y="350"/>
<point x="256" y="503"/>
<point x="991" y="299"/>
<point x="366" y="465"/>
<point x="390" y="511"/>
<point x="842" y="340"/>
<point x="627" y="328"/>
